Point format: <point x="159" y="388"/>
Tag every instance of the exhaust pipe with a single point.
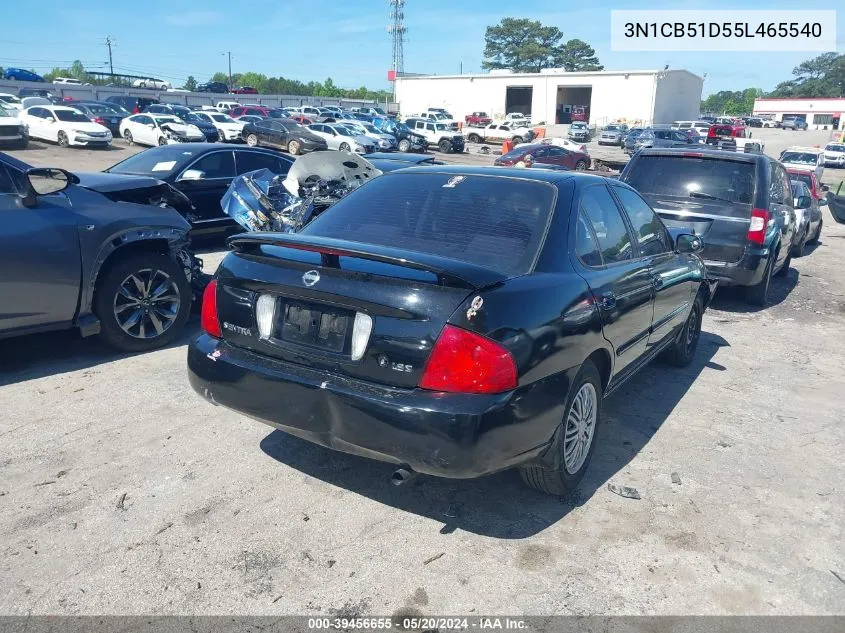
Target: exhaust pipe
<point x="402" y="476"/>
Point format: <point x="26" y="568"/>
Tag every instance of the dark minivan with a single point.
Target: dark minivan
<point x="739" y="204"/>
<point x="453" y="320"/>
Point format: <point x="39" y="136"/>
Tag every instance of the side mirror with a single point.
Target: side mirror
<point x="823" y="202"/>
<point x="46" y="180"/>
<point x="825" y="188"/>
<point x="686" y="243"/>
<point x="191" y="174"/>
<point x="803" y="202"/>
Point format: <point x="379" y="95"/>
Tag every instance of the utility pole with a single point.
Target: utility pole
<point x="109" y="43"/>
<point x="229" y="53"/>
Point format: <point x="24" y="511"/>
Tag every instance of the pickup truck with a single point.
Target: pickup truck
<point x="517" y="118"/>
<point x="499" y="132"/>
<point x="439" y="134"/>
<point x="477" y="119"/>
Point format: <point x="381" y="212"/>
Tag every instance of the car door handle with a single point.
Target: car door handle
<point x="657" y="281"/>
<point x="607" y="301"/>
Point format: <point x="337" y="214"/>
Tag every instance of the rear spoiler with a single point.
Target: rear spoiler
<point x="449" y="272"/>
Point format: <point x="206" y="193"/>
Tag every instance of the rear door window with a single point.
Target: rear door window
<point x="216" y="165"/>
<point x="498" y="223"/>
<point x="251" y="161"/>
<point x="680" y="176"/>
<point x="614" y="239"/>
<point x="648" y="229"/>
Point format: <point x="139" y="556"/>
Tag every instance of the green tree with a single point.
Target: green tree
<point x="521" y="45"/>
<point x="577" y="55"/>
<point x="77" y="71"/>
<point x="190" y="83"/>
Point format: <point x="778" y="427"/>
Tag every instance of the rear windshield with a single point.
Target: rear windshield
<point x="490" y="221"/>
<point x="801" y="158"/>
<point x="807" y="179"/>
<point x="728" y="180"/>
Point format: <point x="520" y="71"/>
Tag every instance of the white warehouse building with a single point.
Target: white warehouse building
<point x="553" y="95"/>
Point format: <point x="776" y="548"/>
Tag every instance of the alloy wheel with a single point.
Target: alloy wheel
<point x="63" y="139"/>
<point x="693" y="329"/>
<point x="147" y="303"/>
<point x="580" y="427"/>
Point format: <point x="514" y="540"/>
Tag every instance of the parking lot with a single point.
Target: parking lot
<point x="122" y="491"/>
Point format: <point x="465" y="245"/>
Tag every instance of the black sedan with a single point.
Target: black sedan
<point x="284" y="134"/>
<point x="203" y="172"/>
<point x="107" y="114"/>
<point x="390" y="161"/>
<point x="452" y="320"/>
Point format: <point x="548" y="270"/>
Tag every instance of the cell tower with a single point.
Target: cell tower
<point x="397" y="30"/>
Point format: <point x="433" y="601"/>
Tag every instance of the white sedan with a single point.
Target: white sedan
<point x="65" y="126"/>
<point x="343" y="139"/>
<point x="155" y="84"/>
<point x="158" y="129"/>
<point x="229" y="128"/>
<point x="381" y="140"/>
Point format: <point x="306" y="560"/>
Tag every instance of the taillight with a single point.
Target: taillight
<point x="711" y="133"/>
<point x="208" y="317"/>
<point x="759" y="225"/>
<point x="136" y="110"/>
<point x="464" y="362"/>
<point x="99" y="120"/>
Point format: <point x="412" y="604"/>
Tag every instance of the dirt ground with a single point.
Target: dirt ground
<point x="121" y="491"/>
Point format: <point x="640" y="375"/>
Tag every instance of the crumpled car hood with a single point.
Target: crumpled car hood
<point x="102" y="182"/>
<point x="182" y="129"/>
<point x="136" y="189"/>
<point x="264" y="201"/>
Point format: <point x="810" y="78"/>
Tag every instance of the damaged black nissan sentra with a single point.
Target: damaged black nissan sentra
<point x="454" y="321"/>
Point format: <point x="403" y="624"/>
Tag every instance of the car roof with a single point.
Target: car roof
<point x="543" y="175"/>
<point x="710" y="153"/>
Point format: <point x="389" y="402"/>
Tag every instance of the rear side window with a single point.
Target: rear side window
<point x="607" y="223"/>
<point x="779" y="189"/>
<point x="648" y="229"/>
<point x="250" y="161"/>
<point x="678" y="176"/>
<point x="586" y="245"/>
<point x="494" y="222"/>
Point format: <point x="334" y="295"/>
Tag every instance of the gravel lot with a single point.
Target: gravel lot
<point x="121" y="491"/>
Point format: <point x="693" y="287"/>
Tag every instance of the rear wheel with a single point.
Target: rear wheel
<point x="577" y="440"/>
<point x="404" y="145"/>
<point x="445" y="146"/>
<point x="127" y="136"/>
<point x="581" y="165"/>
<point x="294" y="147"/>
<point x="798" y="249"/>
<point x="816" y="235"/>
<point x="252" y="140"/>
<point x="63" y="139"/>
<point x="516" y="140"/>
<point x="681" y="352"/>
<point x="758" y="294"/>
<point x="142" y="302"/>
<point x="474" y="138"/>
<point x="344" y="147"/>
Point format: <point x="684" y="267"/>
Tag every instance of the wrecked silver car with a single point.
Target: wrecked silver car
<point x="264" y="201"/>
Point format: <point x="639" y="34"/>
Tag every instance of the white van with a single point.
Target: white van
<point x="701" y="127"/>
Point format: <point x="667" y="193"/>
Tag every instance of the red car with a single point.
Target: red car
<point x="255" y="110"/>
<point x="479" y="119"/>
<point x="304" y="120"/>
<point x="244" y="90"/>
<point x="810" y="179"/>
<point x="546" y="154"/>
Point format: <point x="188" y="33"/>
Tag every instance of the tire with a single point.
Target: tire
<point x="563" y="481"/>
<point x="294" y="148"/>
<point x="127" y="136"/>
<point x="251" y="140"/>
<point x="682" y="351"/>
<point x="162" y="140"/>
<point x="62" y="139"/>
<point x="445" y="146"/>
<point x="758" y="294"/>
<point x="344" y="147"/>
<point x="404" y="145"/>
<point x="153" y="269"/>
<point x="516" y="140"/>
<point x="784" y="270"/>
<point x="474" y="138"/>
<point x="581" y="165"/>
<point x="23" y="143"/>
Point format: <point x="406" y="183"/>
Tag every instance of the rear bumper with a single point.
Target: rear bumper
<point x="447" y="435"/>
<point x="746" y="272"/>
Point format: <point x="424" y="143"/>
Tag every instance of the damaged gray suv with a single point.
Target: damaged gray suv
<point x="104" y="253"/>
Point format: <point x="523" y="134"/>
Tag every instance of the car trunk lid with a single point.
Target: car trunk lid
<point x="324" y="293"/>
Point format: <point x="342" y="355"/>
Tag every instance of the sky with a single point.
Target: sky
<point x="347" y="41"/>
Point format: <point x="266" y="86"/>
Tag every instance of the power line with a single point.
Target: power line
<point x="109" y="43"/>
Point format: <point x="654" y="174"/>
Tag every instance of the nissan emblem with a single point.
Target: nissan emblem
<point x="311" y="277"/>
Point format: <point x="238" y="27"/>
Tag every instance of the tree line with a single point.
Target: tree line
<point x="822" y="76"/>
